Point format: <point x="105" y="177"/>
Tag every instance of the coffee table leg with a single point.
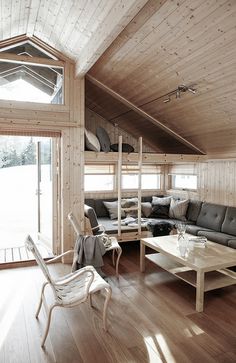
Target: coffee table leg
<point x="200" y="291"/>
<point x="142" y="256"/>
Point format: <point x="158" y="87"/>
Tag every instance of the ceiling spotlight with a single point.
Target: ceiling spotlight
<point x="177" y="93"/>
<point x="191" y="90"/>
<point x="167" y="100"/>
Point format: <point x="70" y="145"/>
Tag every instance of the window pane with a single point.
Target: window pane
<point x="94" y="183"/>
<point x="130" y="181"/>
<point x="184" y="181"/>
<point x="151" y="181"/>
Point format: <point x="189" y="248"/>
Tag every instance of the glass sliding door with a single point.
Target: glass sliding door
<point x="44" y="190"/>
<point x="26" y="191"/>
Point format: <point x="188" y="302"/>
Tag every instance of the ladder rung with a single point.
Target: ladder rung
<point x="130" y="208"/>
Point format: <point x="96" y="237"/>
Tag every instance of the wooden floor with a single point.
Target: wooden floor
<point x="20" y="253"/>
<point x="152" y="318"/>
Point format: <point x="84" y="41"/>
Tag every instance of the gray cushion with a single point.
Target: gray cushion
<point x="178" y="209"/>
<point x="232" y="243"/>
<point x="146" y="208"/>
<point x="161" y="201"/>
<point x="104" y="139"/>
<point x="126" y="148"/>
<point x="91" y="141"/>
<point x="211" y="216"/>
<point x="193" y="229"/>
<point x="112" y="208"/>
<point x="217" y="237"/>
<point x="100" y="208"/>
<point x="90" y="202"/>
<point x="194" y="207"/>
<point x="229" y="223"/>
<point x="89" y="212"/>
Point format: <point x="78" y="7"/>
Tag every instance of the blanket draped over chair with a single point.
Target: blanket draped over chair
<point x="88" y="251"/>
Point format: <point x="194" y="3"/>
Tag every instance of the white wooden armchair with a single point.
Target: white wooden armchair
<point x="71" y="289"/>
<point x="114" y="247"/>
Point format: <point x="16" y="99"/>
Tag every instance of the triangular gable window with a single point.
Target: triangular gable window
<point x="30" y="82"/>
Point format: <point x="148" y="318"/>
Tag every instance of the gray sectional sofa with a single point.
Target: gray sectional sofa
<point x="214" y="221"/>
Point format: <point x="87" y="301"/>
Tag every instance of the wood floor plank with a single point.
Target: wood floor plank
<point x="151" y="318"/>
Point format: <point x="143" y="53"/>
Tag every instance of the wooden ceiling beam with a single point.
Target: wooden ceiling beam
<point x="39" y="61"/>
<point x="129" y="104"/>
<point x="116" y="20"/>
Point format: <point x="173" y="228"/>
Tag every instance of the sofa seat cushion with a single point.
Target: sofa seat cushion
<point x="229" y="223"/>
<point x="232" y="243"/>
<point x="110" y="228"/>
<point x="217" y="237"/>
<point x="193" y="229"/>
<point x="211" y="216"/>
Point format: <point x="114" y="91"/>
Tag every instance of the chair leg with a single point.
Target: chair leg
<point x="113" y="257"/>
<point x="41" y="299"/>
<point x="119" y="252"/>
<point x="108" y="297"/>
<point x="48" y="324"/>
<point x="90" y="300"/>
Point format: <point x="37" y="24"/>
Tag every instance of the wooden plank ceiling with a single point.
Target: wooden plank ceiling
<point x="141" y="50"/>
<point x="170" y="43"/>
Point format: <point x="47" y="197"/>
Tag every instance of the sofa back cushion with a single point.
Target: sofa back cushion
<point x="229" y="223"/>
<point x="211" y="216"/>
<point x="100" y="208"/>
<point x="194" y="207"/>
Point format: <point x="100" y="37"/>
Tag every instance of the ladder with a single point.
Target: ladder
<point x="119" y="185"/>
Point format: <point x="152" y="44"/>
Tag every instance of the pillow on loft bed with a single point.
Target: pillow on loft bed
<point x="104" y="139"/>
<point x="126" y="148"/>
<point x="91" y="141"/>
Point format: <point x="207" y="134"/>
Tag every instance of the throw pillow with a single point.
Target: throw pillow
<point x="104" y="139"/>
<point x="159" y="211"/>
<point x="178" y="209"/>
<point x="112" y="208"/>
<point x="146" y="208"/>
<point x="161" y="201"/>
<point x="91" y="141"/>
<point x="129" y="203"/>
<point x="126" y="148"/>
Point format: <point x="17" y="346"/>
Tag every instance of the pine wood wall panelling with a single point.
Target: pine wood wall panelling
<point x="216" y="183"/>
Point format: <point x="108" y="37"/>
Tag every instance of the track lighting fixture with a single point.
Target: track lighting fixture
<point x="178" y="91"/>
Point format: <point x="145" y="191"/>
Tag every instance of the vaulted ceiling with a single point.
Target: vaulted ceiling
<point x="136" y="52"/>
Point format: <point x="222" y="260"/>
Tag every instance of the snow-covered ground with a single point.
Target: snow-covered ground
<point x="18" y="204"/>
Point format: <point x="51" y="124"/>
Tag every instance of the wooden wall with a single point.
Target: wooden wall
<point x="93" y="120"/>
<point x="216" y="183"/>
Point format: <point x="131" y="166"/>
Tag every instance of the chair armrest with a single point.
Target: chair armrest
<point x="100" y="226"/>
<point x="75" y="275"/>
<point x="52" y="260"/>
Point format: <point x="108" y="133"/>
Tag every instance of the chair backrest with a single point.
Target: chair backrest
<point x="90" y="213"/>
<point x="74" y="223"/>
<point x="30" y="245"/>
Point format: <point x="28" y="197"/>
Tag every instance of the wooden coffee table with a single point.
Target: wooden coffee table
<point x="203" y="268"/>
